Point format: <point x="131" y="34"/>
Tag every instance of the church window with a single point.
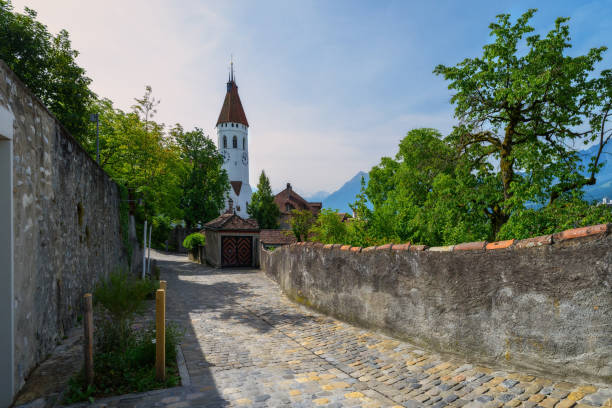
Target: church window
<point x="243" y="144"/>
<point x="235" y="142"/>
<point x="225" y="142"/>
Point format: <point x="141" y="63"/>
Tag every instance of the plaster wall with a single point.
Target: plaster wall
<point x="545" y="309"/>
<point x="236" y="162"/>
<point x="66" y="226"/>
<point x="7" y="327"/>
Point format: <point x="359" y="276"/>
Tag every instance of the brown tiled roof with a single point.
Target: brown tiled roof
<point x="276" y="237"/>
<point x="288" y="196"/>
<point x="231" y="221"/>
<point x="232" y="110"/>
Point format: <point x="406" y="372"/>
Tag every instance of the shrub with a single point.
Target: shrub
<point x="119" y="298"/>
<point x="194" y="240"/>
<point x="128" y="370"/>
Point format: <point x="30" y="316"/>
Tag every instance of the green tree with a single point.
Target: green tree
<point x="262" y="206"/>
<point x="139" y="156"/>
<point x="204" y="183"/>
<point x="47" y="65"/>
<point x="521" y="106"/>
<point x="398" y="188"/>
<point x="329" y="228"/>
<point x="301" y="222"/>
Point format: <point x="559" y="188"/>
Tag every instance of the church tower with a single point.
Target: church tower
<point x="233" y="144"/>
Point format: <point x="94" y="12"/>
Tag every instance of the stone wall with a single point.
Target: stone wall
<point x="66" y="222"/>
<point x="543" y="304"/>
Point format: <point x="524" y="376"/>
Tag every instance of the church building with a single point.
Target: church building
<point x="233" y="143"/>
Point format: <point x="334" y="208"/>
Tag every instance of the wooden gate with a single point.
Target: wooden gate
<point x="236" y="251"/>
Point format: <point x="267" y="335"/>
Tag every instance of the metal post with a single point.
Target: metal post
<point x="149" y="255"/>
<point x="144" y="252"/>
<point x="160" y="334"/>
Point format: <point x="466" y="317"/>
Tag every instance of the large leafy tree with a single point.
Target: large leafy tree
<point x="522" y="107"/>
<point x="262" y="206"/>
<point x="204" y="183"/>
<point x="140" y="156"/>
<point x="399" y="187"/>
<point x="46" y="63"/>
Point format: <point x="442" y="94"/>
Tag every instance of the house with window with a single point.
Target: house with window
<point x="288" y="200"/>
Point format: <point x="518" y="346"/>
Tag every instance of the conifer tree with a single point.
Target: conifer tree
<point x="262" y="206"/>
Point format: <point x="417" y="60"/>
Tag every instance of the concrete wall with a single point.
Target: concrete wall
<point x="543" y="304"/>
<point x="66" y="225"/>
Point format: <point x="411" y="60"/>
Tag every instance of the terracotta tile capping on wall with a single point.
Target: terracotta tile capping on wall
<point x="592" y="230"/>
<point x="500" y="244"/>
<point x="471" y="246"/>
<point x="581" y="232"/>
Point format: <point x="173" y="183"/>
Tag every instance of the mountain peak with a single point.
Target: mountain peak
<point x="345" y="195"/>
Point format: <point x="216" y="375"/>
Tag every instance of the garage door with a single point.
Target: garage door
<point x="236" y="251"/>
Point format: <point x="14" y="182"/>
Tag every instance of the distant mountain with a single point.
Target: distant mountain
<point x="345" y="195"/>
<point x="317" y="197"/>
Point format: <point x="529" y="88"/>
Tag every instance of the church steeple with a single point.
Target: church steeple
<point x="232" y="110"/>
<point x="231" y="80"/>
<point x="233" y="144"/>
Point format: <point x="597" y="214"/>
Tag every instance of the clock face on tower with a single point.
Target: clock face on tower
<point x="245" y="158"/>
<point x="225" y="155"/>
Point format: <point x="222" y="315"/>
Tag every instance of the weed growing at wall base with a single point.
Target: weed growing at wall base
<point x="124" y="359"/>
<point x="130" y="370"/>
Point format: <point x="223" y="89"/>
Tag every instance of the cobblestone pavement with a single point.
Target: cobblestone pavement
<point x="247" y="345"/>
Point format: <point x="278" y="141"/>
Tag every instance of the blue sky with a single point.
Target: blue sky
<point x="328" y="87"/>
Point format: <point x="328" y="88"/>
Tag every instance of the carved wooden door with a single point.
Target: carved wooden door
<point x="236" y="251"/>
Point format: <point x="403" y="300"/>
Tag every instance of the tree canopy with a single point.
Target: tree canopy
<point x="522" y="108"/>
<point x="175" y="175"/>
<point x="262" y="206"/>
<point x="512" y="167"/>
<point x="204" y="183"/>
<point x="46" y="63"/>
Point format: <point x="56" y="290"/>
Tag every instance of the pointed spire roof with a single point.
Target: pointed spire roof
<point x="232" y="110"/>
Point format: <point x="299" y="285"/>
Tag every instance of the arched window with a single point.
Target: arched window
<point x="225" y="142"/>
<point x="243" y="144"/>
<point x="235" y="142"/>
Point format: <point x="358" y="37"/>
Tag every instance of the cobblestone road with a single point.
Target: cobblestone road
<point x="247" y="345"/>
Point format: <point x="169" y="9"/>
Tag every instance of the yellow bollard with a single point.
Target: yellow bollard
<point x="88" y="339"/>
<point x="163" y="284"/>
<point x="160" y="334"/>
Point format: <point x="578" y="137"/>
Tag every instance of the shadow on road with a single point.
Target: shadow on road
<point x="220" y="302"/>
